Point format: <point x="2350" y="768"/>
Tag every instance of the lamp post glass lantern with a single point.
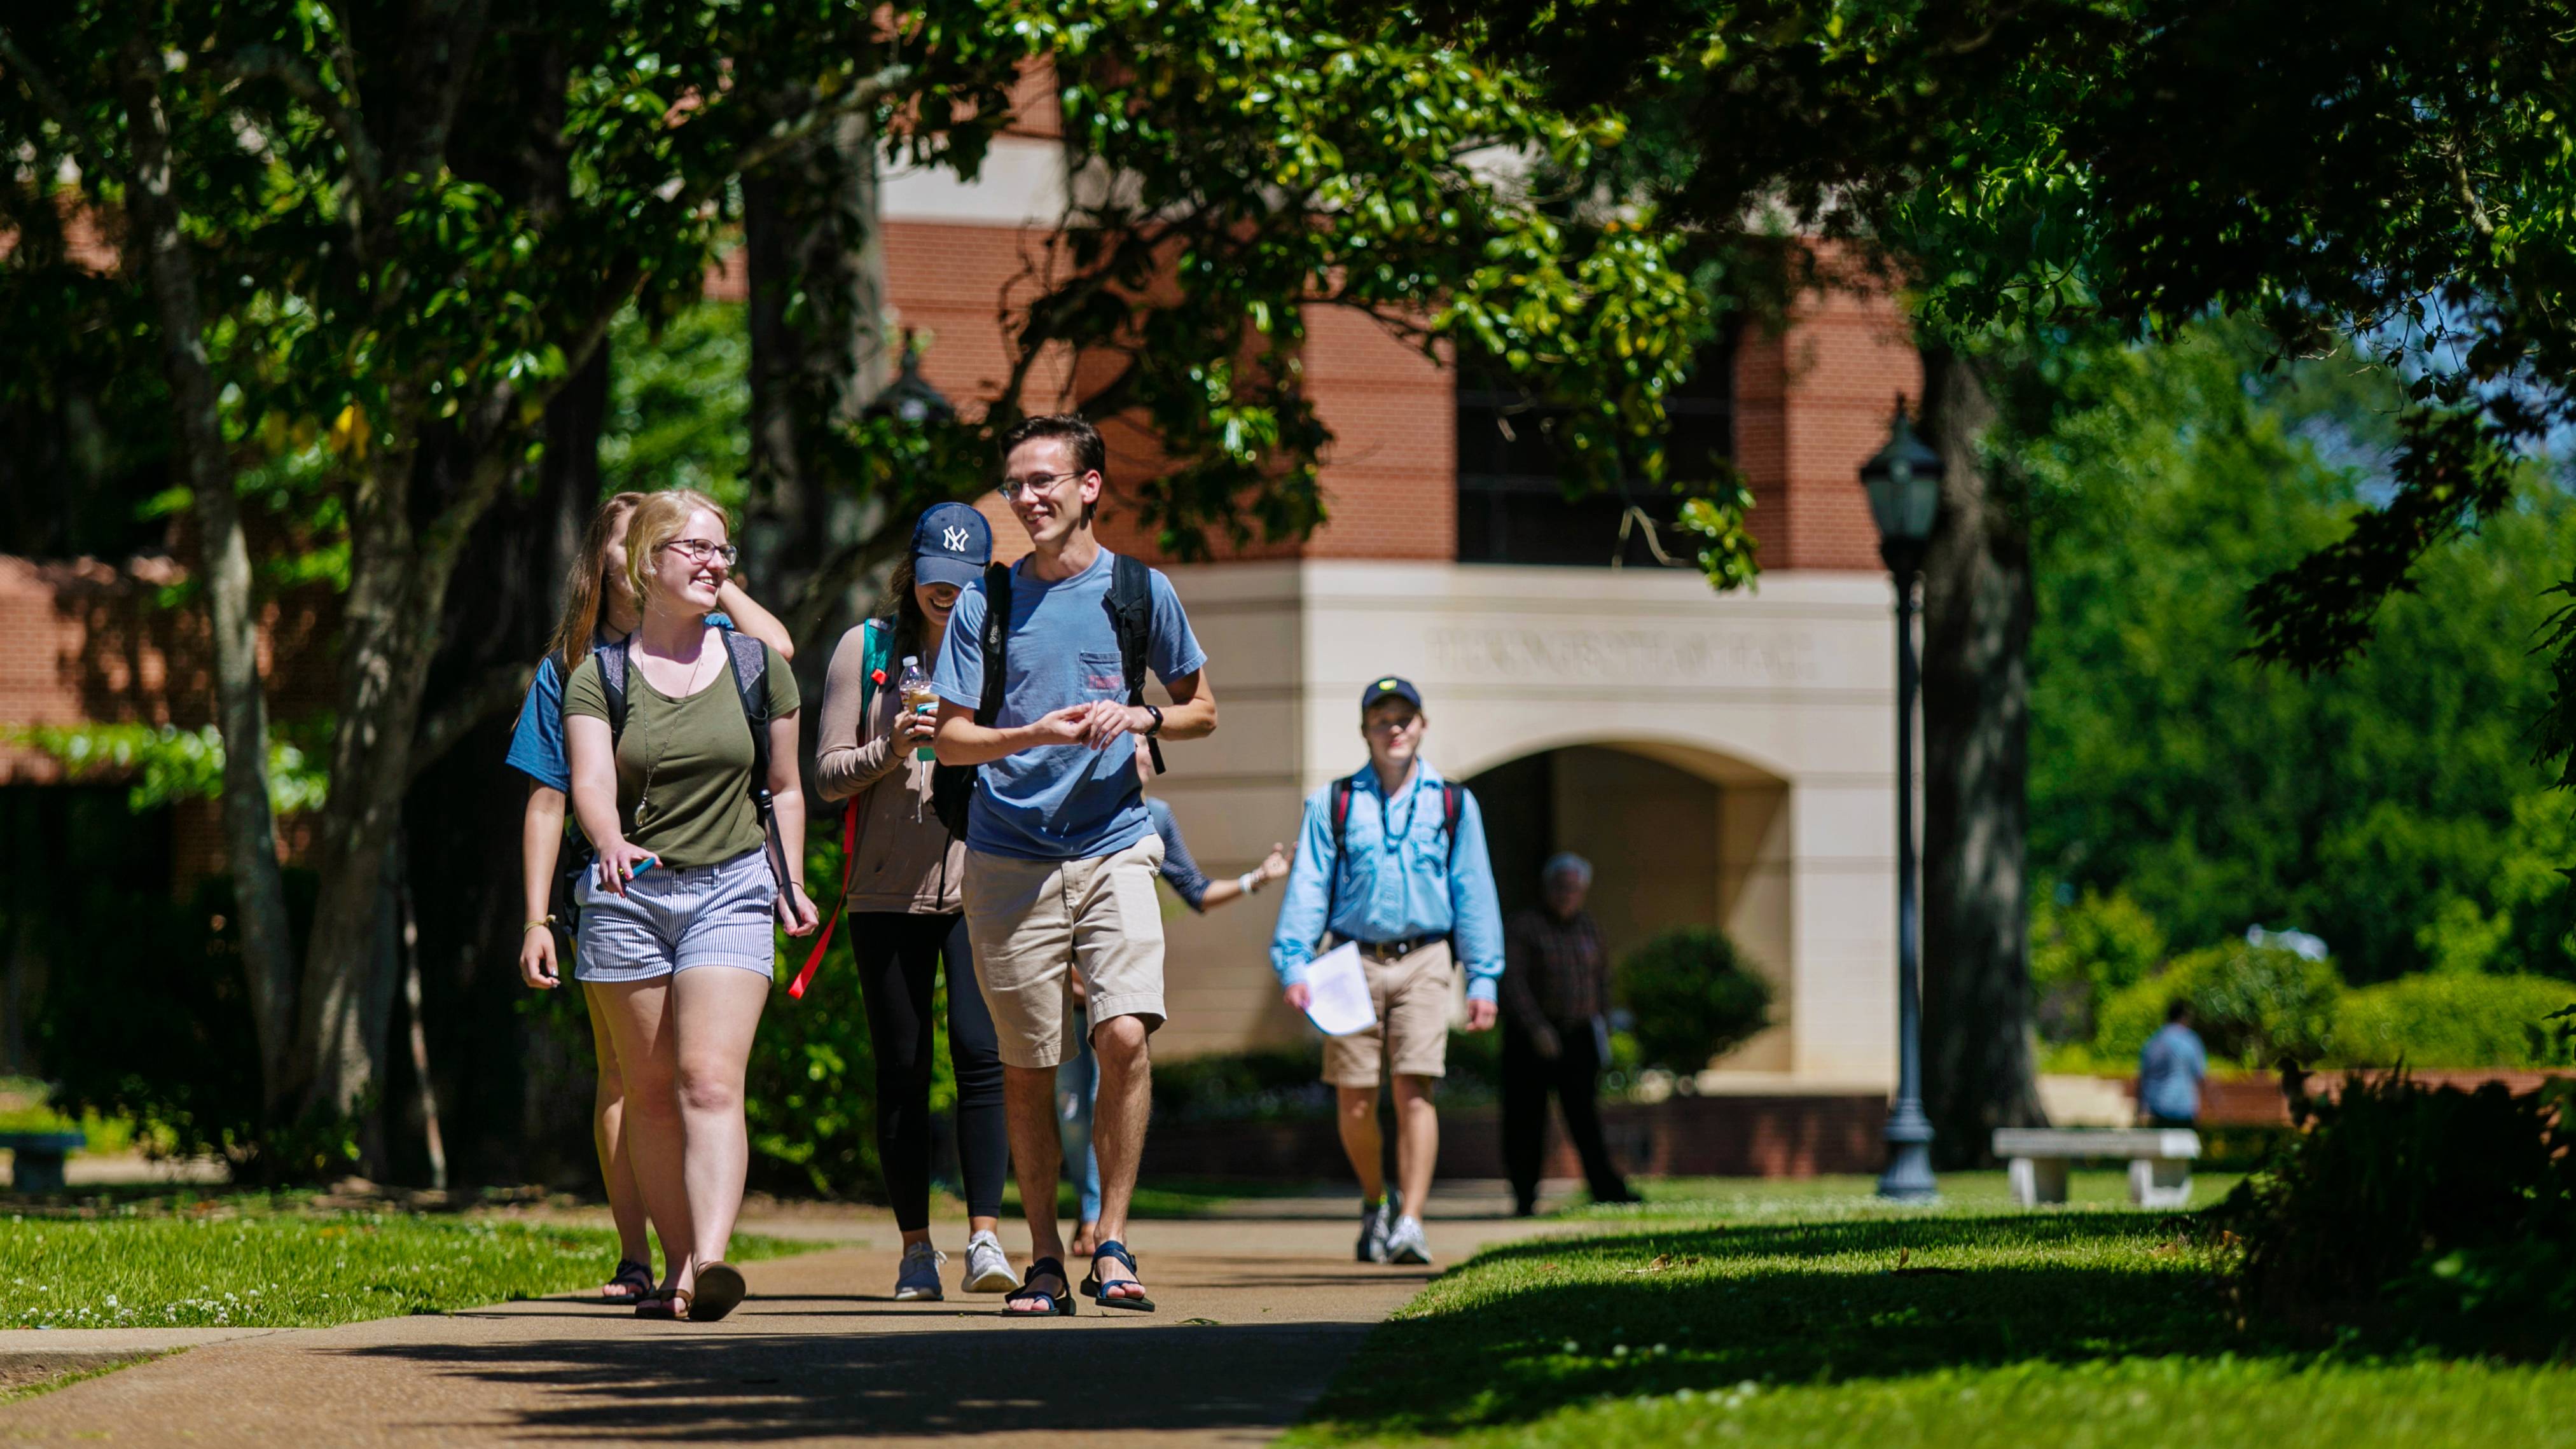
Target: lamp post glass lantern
<point x="1904" y="486"/>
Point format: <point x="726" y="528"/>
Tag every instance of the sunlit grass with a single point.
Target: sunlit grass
<point x="1809" y="1315"/>
<point x="234" y="1263"/>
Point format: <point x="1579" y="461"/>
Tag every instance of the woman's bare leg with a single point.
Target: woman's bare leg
<point x="642" y="1019"/>
<point x="718" y="1010"/>
<point x="607" y="1123"/>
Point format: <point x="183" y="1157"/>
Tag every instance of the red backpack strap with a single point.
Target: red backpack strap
<point x="1453" y="803"/>
<point x="849" y="868"/>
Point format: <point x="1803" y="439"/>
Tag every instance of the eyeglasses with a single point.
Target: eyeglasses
<point x="704" y="550"/>
<point x="1012" y="488"/>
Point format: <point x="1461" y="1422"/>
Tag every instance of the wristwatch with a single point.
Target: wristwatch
<point x="1156" y="727"/>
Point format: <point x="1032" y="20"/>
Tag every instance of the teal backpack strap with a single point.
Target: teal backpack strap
<point x="876" y="649"/>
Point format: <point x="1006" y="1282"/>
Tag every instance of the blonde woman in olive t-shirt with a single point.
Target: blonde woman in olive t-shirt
<point x="676" y="923"/>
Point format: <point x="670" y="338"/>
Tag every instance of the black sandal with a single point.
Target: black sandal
<point x="636" y="1278"/>
<point x="1058" y="1305"/>
<point x="1099" y="1289"/>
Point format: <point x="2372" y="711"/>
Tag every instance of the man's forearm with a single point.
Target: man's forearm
<point x="1193" y="720"/>
<point x="964" y="742"/>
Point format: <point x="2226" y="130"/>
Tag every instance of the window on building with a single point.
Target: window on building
<point x="1512" y="507"/>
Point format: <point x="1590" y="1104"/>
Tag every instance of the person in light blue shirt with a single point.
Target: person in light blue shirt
<point x="2170" y="1071"/>
<point x="1060" y="853"/>
<point x="1393" y="858"/>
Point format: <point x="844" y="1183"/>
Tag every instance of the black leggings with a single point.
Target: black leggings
<point x="899" y="958"/>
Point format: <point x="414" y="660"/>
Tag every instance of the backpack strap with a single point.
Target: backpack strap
<point x="876" y="646"/>
<point x="996" y="643"/>
<point x="750" y="660"/>
<point x="613" y="662"/>
<point x="1131" y="613"/>
<point x="1453" y="803"/>
<point x="876" y="649"/>
<point x="1341" y="807"/>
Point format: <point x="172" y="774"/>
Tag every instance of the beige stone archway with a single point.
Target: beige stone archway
<point x="1781" y="698"/>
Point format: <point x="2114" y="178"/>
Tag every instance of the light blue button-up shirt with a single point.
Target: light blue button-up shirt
<point x="1395" y="882"/>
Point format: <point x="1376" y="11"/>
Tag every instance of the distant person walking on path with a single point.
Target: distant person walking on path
<point x="598" y="611"/>
<point x="1041" y="685"/>
<point x="1078" y="1081"/>
<point x="2170" y="1071"/>
<point x="1393" y="857"/>
<point x="907" y="904"/>
<point x="1556" y="1003"/>
<point x="685" y="777"/>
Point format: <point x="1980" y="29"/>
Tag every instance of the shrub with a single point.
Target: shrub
<point x="2084" y="952"/>
<point x="1693" y="996"/>
<point x="2453" y="1020"/>
<point x="2412" y="1200"/>
<point x="2253" y="1005"/>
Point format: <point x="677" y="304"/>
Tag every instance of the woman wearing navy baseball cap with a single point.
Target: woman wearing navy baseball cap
<point x="907" y="915"/>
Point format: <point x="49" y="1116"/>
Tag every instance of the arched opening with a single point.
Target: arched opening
<point x="1676" y="836"/>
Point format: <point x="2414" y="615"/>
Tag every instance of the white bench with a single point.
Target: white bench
<point x="2036" y="1159"/>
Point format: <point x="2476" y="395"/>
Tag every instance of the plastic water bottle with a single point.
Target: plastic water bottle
<point x="918" y="698"/>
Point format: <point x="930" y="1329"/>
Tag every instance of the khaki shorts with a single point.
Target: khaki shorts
<point x="1033" y="922"/>
<point x="1412" y="994"/>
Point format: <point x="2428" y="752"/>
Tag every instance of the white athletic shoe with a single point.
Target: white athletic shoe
<point x="1405" y="1243"/>
<point x="917" y="1281"/>
<point x="988" y="1268"/>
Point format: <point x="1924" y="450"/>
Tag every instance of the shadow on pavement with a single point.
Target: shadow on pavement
<point x="673" y="1387"/>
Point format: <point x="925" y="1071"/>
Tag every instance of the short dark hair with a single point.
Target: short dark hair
<point x="1090" y="455"/>
<point x="2177" y="1010"/>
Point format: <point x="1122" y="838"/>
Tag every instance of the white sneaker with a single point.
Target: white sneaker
<point x="988" y="1268"/>
<point x="1374" y="1217"/>
<point x="1405" y="1243"/>
<point x="917" y="1281"/>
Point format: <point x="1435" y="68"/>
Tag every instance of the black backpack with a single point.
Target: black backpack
<point x="1131" y="613"/>
<point x="750" y="661"/>
<point x="1453" y="803"/>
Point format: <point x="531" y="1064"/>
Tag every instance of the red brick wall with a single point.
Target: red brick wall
<point x="1812" y="403"/>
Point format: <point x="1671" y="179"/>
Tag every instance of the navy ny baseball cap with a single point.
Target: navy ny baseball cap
<point x="951" y="545"/>
<point x="1389" y="687"/>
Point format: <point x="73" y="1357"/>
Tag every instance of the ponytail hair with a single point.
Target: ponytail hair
<point x="578" y="625"/>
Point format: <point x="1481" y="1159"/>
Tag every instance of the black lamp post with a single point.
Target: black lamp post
<point x="1904" y="486"/>
<point x="910" y="398"/>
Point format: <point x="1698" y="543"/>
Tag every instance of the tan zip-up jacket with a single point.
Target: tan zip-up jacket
<point x="905" y="860"/>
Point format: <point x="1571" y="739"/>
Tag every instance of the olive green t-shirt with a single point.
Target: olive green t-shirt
<point x="684" y="765"/>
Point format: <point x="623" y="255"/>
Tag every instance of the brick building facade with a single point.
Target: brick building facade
<point x="1724" y="760"/>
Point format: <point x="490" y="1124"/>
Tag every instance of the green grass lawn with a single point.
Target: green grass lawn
<point x="1802" y="1314"/>
<point x="243" y="1261"/>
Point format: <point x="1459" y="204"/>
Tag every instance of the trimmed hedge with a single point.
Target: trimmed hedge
<point x="2453" y="1020"/>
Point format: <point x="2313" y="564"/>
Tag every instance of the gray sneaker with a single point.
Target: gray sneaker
<point x="1373" y="1220"/>
<point x="917" y="1281"/>
<point x="988" y="1268"/>
<point x="1405" y="1244"/>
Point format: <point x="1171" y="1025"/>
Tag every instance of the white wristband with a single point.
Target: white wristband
<point x="1250" y="881"/>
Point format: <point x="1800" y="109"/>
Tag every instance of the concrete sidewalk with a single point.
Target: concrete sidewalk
<point x="1256" y="1315"/>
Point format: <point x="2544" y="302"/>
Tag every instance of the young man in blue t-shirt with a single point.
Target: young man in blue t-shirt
<point x="1060" y="854"/>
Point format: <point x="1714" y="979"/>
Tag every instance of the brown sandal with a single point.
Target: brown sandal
<point x="668" y="1304"/>
<point x="720" y="1291"/>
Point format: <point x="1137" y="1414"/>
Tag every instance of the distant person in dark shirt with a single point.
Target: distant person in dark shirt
<point x="1556" y="996"/>
<point x="2171" y="1070"/>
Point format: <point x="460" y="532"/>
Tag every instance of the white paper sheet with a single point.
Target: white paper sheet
<point x="1339" y="1003"/>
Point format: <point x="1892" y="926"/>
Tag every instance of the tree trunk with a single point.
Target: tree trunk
<point x="382" y="672"/>
<point x="241" y="707"/>
<point x="819" y="356"/>
<point x="1977" y="610"/>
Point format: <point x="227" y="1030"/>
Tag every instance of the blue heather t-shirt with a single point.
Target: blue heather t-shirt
<point x="537" y="743"/>
<point x="1059" y="802"/>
